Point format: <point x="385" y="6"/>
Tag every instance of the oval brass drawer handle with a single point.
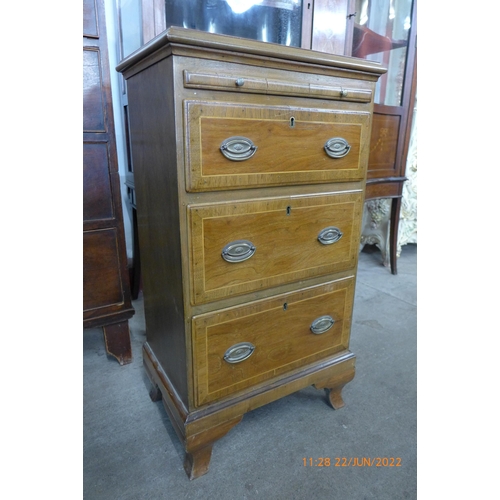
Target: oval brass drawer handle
<point x="239" y="352"/>
<point x="238" y="148"/>
<point x="322" y="324"/>
<point x="238" y="251"/>
<point x="329" y="235"/>
<point x="336" y="147"/>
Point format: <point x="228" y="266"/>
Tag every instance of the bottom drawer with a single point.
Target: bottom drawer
<point x="238" y="347"/>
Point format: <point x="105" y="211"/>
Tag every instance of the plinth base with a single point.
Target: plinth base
<point x="198" y="429"/>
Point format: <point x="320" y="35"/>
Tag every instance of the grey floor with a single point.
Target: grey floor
<point x="130" y="450"/>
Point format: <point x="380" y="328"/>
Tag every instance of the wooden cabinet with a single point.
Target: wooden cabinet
<point x="358" y="28"/>
<point x="106" y="292"/>
<point x="250" y="162"/>
<point x="388" y="33"/>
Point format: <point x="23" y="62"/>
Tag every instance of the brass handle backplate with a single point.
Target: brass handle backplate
<point x="329" y="235"/>
<point x="337" y="147"/>
<point x="238" y="251"/>
<point x="238" y="148"/>
<point x="322" y="324"/>
<point x="239" y="352"/>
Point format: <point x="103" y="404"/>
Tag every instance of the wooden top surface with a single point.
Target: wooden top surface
<point x="188" y="38"/>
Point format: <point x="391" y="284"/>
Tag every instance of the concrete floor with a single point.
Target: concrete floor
<point x="132" y="452"/>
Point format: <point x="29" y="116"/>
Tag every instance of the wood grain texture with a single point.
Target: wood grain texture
<point x="155" y="173"/>
<point x="98" y="199"/>
<point x="388" y="189"/>
<point x="101" y="261"/>
<point x="334" y="386"/>
<point x="106" y="290"/>
<point x="270" y="86"/>
<point x="285" y="233"/>
<point x="199" y="447"/>
<point x="199" y="429"/>
<point x="183" y="41"/>
<point x="384" y="145"/>
<point x="117" y="341"/>
<point x="192" y="202"/>
<point x="338" y="369"/>
<point x="280" y="330"/>
<point x="286" y="154"/>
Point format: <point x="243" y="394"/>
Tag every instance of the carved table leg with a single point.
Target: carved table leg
<point x="117" y="341"/>
<point x="199" y="447"/>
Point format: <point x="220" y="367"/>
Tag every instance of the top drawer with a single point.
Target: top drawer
<point x="274" y="86"/>
<point x="229" y="145"/>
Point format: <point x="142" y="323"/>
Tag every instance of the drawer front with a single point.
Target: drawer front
<point x="246" y="83"/>
<point x="231" y="145"/>
<point x="236" y="348"/>
<point x="240" y="247"/>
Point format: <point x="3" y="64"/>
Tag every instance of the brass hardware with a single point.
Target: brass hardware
<point x="329" y="235"/>
<point x="239" y="352"/>
<point x="337" y="147"/>
<point x="322" y="324"/>
<point x="240" y="82"/>
<point x="238" y="251"/>
<point x="238" y="148"/>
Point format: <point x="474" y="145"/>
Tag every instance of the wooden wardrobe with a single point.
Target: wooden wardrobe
<point x="106" y="289"/>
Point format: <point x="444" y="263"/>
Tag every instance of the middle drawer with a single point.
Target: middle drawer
<point x="243" y="246"/>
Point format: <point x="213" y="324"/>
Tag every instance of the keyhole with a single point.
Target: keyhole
<point x="285" y="306"/>
<point x="292" y="122"/>
<point x="288" y="210"/>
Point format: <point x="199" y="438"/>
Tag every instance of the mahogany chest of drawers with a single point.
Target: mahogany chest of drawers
<point x="250" y="164"/>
